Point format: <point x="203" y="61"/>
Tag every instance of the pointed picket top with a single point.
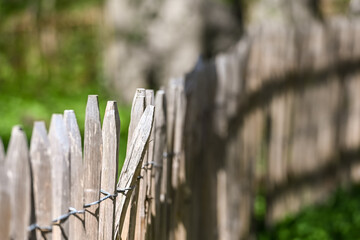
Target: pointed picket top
<point x="92" y="165"/>
<point x="2" y="152"/>
<point x="41" y="174"/>
<point x="5" y="196"/>
<point x="110" y="159"/>
<point x="144" y="182"/>
<point x="137" y="109"/>
<point x="18" y="171"/>
<point x="60" y="165"/>
<point x="76" y="224"/>
<point x="132" y="165"/>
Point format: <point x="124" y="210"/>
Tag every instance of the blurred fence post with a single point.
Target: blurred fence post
<point x="159" y="178"/>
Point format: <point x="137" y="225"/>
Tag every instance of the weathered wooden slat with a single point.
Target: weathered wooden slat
<point x="18" y="171"/>
<point x="5" y="200"/>
<point x="159" y="181"/>
<point x="148" y="226"/>
<point x="178" y="165"/>
<point x="2" y="152"/>
<point x="142" y="201"/>
<point x="110" y="159"/>
<point x="132" y="165"/>
<point x="59" y="147"/>
<point x="92" y="162"/>
<point x="138" y="107"/>
<point x="41" y="174"/>
<point x="170" y="128"/>
<point x="76" y="223"/>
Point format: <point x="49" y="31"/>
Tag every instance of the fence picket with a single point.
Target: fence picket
<point x="92" y="161"/>
<point x="132" y="165"/>
<point x="18" y="170"/>
<point x="159" y="178"/>
<point x="76" y="228"/>
<point x="5" y="206"/>
<point x="59" y="146"/>
<point x="143" y="183"/>
<point x="110" y="159"/>
<point x="147" y="223"/>
<point x="2" y="152"/>
<point x="137" y="109"/>
<point x="178" y="165"/>
<point x="41" y="173"/>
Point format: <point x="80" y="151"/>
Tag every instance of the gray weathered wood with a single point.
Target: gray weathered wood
<point x="60" y="165"/>
<point x="159" y="180"/>
<point x="178" y="180"/>
<point x="18" y="171"/>
<point x="2" y="152"/>
<point x="110" y="159"/>
<point x="148" y="226"/>
<point x="5" y="200"/>
<point x="138" y="107"/>
<point x="144" y="182"/>
<point x="76" y="223"/>
<point x="132" y="165"/>
<point x="41" y="174"/>
<point x="92" y="162"/>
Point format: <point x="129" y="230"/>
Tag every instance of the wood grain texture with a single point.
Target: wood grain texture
<point x="5" y="200"/>
<point x="137" y="109"/>
<point x="18" y="170"/>
<point x="147" y="222"/>
<point x="110" y="159"/>
<point x="132" y="165"/>
<point x="144" y="182"/>
<point x="159" y="179"/>
<point x="92" y="168"/>
<point x="41" y="174"/>
<point x="60" y="150"/>
<point x="76" y="223"/>
<point x="178" y="166"/>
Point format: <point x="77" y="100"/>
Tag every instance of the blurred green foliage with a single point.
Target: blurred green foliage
<point x="338" y="218"/>
<point x="35" y="83"/>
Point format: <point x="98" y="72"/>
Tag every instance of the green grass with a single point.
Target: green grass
<point x="338" y="218"/>
<point x="35" y="83"/>
<point x="24" y="111"/>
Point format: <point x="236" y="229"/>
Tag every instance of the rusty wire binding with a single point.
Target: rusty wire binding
<point x="74" y="211"/>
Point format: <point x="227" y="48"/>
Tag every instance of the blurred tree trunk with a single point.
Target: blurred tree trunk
<point x="295" y="12"/>
<point x="151" y="41"/>
<point x="45" y="15"/>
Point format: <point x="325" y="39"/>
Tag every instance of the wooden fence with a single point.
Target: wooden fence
<point x="54" y="191"/>
<point x="278" y="113"/>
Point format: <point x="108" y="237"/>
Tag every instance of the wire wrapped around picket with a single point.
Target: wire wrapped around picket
<point x="73" y="211"/>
